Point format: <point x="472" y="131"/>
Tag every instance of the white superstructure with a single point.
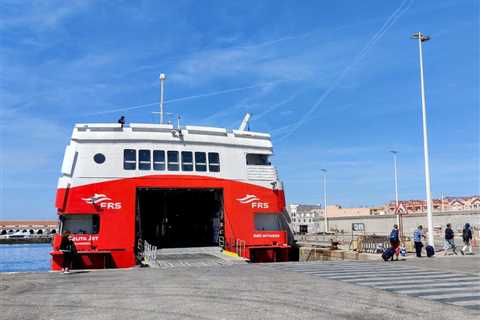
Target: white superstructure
<point x="243" y="155"/>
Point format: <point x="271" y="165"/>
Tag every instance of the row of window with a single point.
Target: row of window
<point x="300" y="220"/>
<point x="160" y="160"/>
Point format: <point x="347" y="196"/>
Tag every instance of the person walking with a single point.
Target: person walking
<point x="449" y="241"/>
<point x="68" y="248"/>
<point x="417" y="239"/>
<point x="467" y="237"/>
<point x="395" y="241"/>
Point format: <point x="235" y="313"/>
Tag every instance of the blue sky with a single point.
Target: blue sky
<point x="335" y="82"/>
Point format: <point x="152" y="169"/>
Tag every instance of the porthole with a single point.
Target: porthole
<point x="99" y="158"/>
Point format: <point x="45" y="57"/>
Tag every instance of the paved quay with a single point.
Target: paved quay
<point x="447" y="280"/>
<point x="243" y="291"/>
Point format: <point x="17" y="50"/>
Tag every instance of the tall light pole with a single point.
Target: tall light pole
<point x="162" y="80"/>
<point x="442" y="201"/>
<point x="325" y="198"/>
<point x="422" y="38"/>
<point x="394" y="153"/>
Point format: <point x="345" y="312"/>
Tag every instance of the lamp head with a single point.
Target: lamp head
<point x="419" y="35"/>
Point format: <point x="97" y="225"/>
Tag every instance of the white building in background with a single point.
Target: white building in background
<point x="309" y="218"/>
<point x="35" y="227"/>
<point x="305" y="218"/>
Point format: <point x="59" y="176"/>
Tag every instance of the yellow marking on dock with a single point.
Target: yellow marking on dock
<point x="229" y="253"/>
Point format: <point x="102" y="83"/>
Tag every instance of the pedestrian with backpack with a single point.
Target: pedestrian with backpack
<point x="417" y="239"/>
<point x="467" y="237"/>
<point x="449" y="241"/>
<point x="395" y="241"/>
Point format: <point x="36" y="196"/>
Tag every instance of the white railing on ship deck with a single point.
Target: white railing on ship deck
<point x="149" y="254"/>
<point x="268" y="173"/>
<point x="240" y="247"/>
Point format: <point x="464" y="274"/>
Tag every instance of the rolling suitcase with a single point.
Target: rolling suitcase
<point x="430" y="251"/>
<point x="388" y="254"/>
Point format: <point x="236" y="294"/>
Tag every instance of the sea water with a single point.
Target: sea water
<point x="25" y="257"/>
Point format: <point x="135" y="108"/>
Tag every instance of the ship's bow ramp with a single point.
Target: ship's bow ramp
<point x="189" y="257"/>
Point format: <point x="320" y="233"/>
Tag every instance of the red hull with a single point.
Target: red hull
<point x="115" y="243"/>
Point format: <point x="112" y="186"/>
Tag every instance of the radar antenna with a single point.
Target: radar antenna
<point x="245" y="121"/>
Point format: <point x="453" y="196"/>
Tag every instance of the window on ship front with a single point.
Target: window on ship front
<point x="269" y="222"/>
<point x="213" y="162"/>
<point x="187" y="161"/>
<point x="172" y="157"/>
<point x="80" y="223"/>
<point x="158" y="160"/>
<point x="129" y="159"/>
<point x="144" y="161"/>
<point x="200" y="161"/>
<point x="254" y="159"/>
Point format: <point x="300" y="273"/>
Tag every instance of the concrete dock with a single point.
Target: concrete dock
<point x="315" y="290"/>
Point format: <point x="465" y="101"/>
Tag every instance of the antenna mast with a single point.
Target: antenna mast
<point x="162" y="80"/>
<point x="245" y="121"/>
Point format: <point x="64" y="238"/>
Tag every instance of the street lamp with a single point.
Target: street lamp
<point x="162" y="80"/>
<point x="394" y="153"/>
<point x="422" y="38"/>
<point x="325" y="198"/>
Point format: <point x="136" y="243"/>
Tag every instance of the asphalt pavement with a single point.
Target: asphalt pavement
<point x="237" y="291"/>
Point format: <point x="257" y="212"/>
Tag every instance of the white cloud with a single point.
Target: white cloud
<point x="38" y="15"/>
<point x="257" y="63"/>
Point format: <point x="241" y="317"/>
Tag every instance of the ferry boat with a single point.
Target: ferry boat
<point x="174" y="187"/>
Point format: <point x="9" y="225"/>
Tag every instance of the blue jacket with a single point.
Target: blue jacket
<point x="394" y="235"/>
<point x="417" y="235"/>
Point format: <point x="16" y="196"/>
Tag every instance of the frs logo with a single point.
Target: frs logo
<point x="102" y="201"/>
<point x="254" y="201"/>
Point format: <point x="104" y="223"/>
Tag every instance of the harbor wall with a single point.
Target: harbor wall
<point x="382" y="224"/>
<point x="29" y="240"/>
